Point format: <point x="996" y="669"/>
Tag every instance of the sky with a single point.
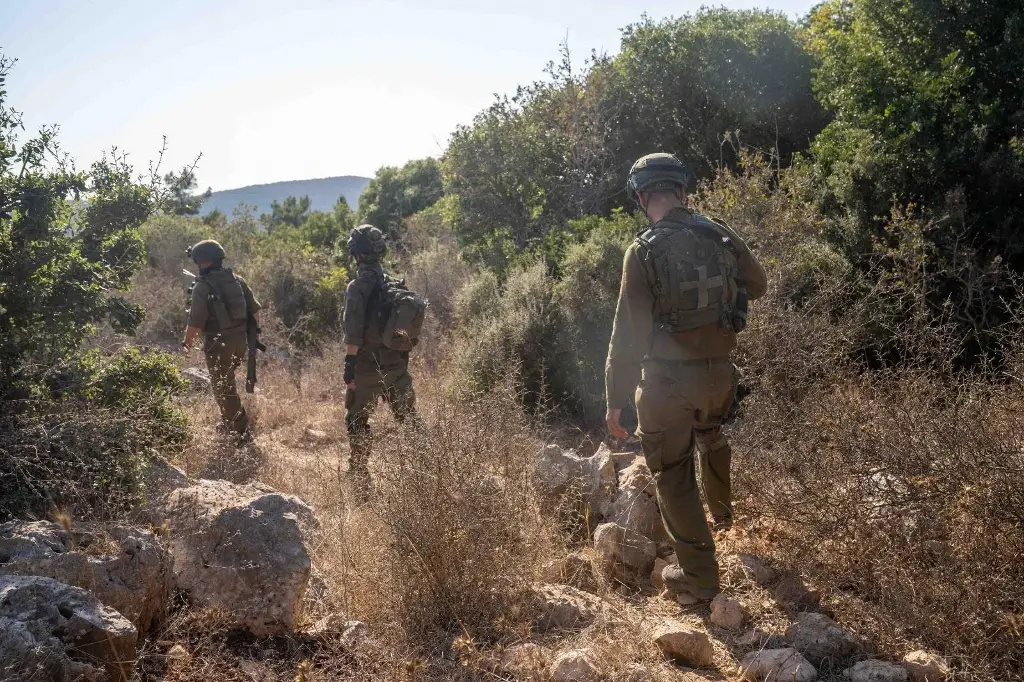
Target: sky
<point x="269" y="91"/>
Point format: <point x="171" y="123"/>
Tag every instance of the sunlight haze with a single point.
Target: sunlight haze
<point x="279" y="91"/>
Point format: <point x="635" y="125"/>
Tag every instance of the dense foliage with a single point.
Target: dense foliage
<point x="75" y="424"/>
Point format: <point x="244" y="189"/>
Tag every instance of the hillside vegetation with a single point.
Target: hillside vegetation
<point x="872" y="156"/>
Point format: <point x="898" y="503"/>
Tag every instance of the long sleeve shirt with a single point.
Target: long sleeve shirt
<point x="634" y="336"/>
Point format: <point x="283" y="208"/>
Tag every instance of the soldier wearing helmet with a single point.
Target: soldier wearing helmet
<point x="372" y="370"/>
<point x="682" y="300"/>
<point x="221" y="303"/>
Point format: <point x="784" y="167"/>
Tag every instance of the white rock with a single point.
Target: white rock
<point x="602" y="482"/>
<point x="876" y="671"/>
<point x="753" y="568"/>
<point x="623" y="553"/>
<point x="559" y="471"/>
<point x="241" y="548"/>
<point x="575" y="666"/>
<point x="925" y="666"/>
<point x="777" y="665"/>
<point x="526" y="662"/>
<point x="636" y="505"/>
<point x="198" y="377"/>
<point x="47" y="630"/>
<point x="685" y="644"/>
<point x="563" y="607"/>
<point x="818" y="637"/>
<point x="125" y="568"/>
<point x="728" y="613"/>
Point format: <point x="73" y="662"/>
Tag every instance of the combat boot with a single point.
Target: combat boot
<point x="679" y="587"/>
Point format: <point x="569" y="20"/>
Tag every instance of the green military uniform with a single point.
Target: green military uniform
<point x="686" y="387"/>
<point x="216" y="309"/>
<point x="380" y="372"/>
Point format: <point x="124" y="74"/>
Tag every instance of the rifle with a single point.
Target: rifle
<point x="252" y="340"/>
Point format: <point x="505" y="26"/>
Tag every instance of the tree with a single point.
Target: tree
<point x="397" y="193"/>
<point x="180" y="199"/>
<point x="291" y="212"/>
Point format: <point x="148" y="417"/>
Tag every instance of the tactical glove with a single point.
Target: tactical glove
<point x="350" y="369"/>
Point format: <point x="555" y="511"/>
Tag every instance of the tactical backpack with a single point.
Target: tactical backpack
<point x="691" y="269"/>
<point x="400" y="315"/>
<point x="227" y="298"/>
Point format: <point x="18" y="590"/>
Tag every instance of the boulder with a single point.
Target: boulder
<point x="575" y="666"/>
<point x="53" y="631"/>
<point x="159" y="480"/>
<point x="876" y="671"/>
<point x="685" y="644"/>
<point x="624" y="554"/>
<point x="198" y="377"/>
<point x="636" y="505"/>
<point x="575" y="569"/>
<point x="125" y="568"/>
<point x="728" y="613"/>
<point x="777" y="665"/>
<point x="559" y="471"/>
<point x="241" y="548"/>
<point x="820" y="638"/>
<point x="527" y="662"/>
<point x="925" y="666"/>
<point x="562" y="607"/>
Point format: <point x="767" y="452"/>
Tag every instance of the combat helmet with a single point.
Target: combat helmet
<point x="655" y="172"/>
<point x="367" y="240"/>
<point x="207" y="250"/>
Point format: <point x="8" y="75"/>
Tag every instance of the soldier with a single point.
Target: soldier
<point x="221" y="306"/>
<point x="682" y="299"/>
<point x="372" y="370"/>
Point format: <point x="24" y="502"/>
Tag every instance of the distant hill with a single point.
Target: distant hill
<point x="323" y="193"/>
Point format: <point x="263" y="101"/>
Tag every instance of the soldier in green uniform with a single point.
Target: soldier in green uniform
<point x="372" y="370"/>
<point x="221" y="305"/>
<point x="682" y="299"/>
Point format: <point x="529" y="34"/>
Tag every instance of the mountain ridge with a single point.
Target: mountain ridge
<point x="323" y="194"/>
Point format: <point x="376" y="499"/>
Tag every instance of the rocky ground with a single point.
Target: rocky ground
<point x="114" y="601"/>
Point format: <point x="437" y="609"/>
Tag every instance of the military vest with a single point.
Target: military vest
<point x="226" y="300"/>
<point x="691" y="269"/>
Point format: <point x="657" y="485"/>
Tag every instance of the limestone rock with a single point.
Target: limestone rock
<point x="777" y="665"/>
<point x="728" y="613"/>
<point x="48" y="630"/>
<point x="562" y="607"/>
<point x="575" y="666"/>
<point x="756" y="638"/>
<point x="925" y="666"/>
<point x="526" y="662"/>
<point x="125" y="568"/>
<point x="818" y="638"/>
<point x="876" y="671"/>
<point x="635" y="672"/>
<point x="794" y="591"/>
<point x="199" y="379"/>
<point x="636" y="505"/>
<point x="559" y="471"/>
<point x="352" y="633"/>
<point x="241" y="548"/>
<point x="752" y="568"/>
<point x="685" y="644"/>
<point x="575" y="569"/>
<point x="623" y="553"/>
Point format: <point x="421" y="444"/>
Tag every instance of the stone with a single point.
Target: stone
<point x="558" y="472"/>
<point x="636" y="506"/>
<point x="198" y="377"/>
<point x="925" y="666"/>
<point x="624" y="554"/>
<point x="754" y="638"/>
<point x="820" y="638"/>
<point x="527" y="662"/>
<point x="876" y="671"/>
<point x="575" y="666"/>
<point x="685" y="644"/>
<point x="658" y="582"/>
<point x="574" y="569"/>
<point x="563" y="607"/>
<point x="53" y="631"/>
<point x="794" y="591"/>
<point x="728" y="613"/>
<point x="159" y="480"/>
<point x="352" y="633"/>
<point x="125" y="568"/>
<point x="777" y="665"/>
<point x="241" y="548"/>
<point x="752" y="568"/>
<point x="634" y="672"/>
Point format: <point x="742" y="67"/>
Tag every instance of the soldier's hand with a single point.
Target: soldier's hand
<point x="615" y="429"/>
<point x="351" y="385"/>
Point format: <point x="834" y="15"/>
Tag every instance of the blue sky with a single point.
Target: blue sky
<point x="290" y="90"/>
